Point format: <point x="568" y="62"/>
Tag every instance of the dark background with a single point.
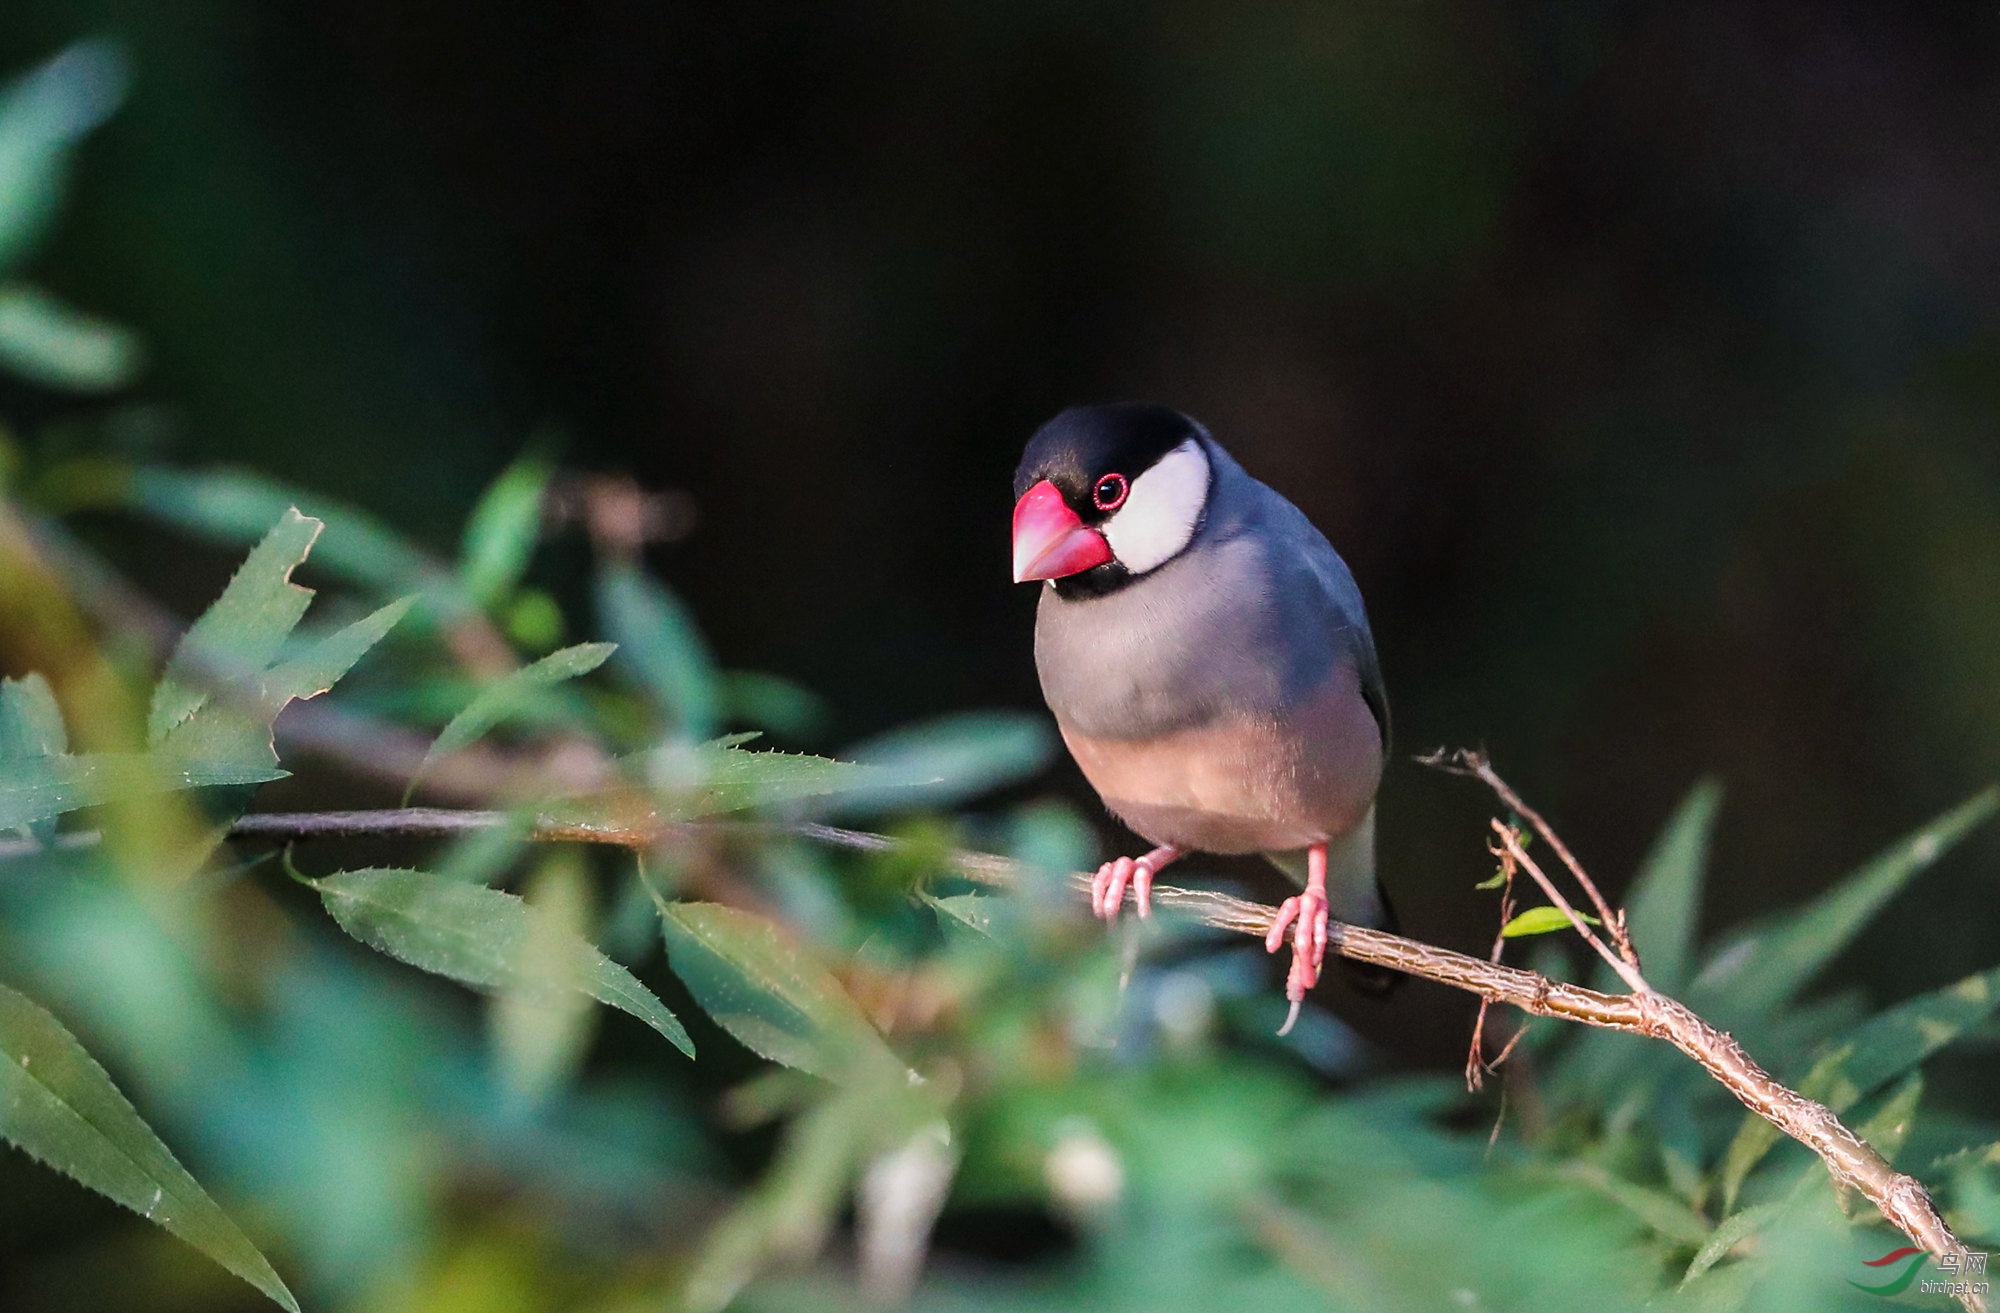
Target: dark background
<point x="1641" y="359"/>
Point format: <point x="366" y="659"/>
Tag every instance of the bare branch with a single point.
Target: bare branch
<point x="1465" y="761"/>
<point x="1511" y="845"/>
<point x="1901" y="1199"/>
<point x="1476" y="1065"/>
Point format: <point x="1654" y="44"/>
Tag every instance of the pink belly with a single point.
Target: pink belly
<point x="1245" y="783"/>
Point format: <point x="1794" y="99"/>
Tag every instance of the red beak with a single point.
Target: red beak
<point x="1049" y="540"/>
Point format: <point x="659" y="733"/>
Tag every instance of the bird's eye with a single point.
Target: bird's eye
<point x="1108" y="494"/>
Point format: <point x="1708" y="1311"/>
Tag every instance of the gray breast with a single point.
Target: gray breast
<point x="1253" y="616"/>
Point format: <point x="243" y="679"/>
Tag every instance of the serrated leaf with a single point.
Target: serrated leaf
<point x="1663" y="909"/>
<point x="661" y="644"/>
<point x="1755" y="974"/>
<point x="1541" y="921"/>
<point x="973" y="911"/>
<point x="237" y="726"/>
<point x="35" y="789"/>
<point x="765" y="991"/>
<point x="47" y="342"/>
<point x="59" y="1106"/>
<point x="716" y="778"/>
<point x="243" y="631"/>
<point x="509" y="694"/>
<point x="500" y="536"/>
<point x="476" y="936"/>
<point x="945" y="761"/>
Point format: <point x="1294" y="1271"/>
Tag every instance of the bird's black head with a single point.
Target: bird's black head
<point x="1107" y="493"/>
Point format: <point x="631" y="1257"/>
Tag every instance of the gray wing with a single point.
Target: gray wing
<point x="1321" y="593"/>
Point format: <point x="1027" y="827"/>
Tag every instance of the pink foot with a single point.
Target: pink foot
<point x="1107" y="887"/>
<point x="1306" y="915"/>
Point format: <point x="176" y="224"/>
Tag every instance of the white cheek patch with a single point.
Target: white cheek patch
<point x="1161" y="511"/>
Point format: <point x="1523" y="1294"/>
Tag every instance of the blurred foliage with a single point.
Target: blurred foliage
<point x="907" y="1085"/>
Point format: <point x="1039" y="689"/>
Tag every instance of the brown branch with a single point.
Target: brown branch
<point x="1476" y="1065"/>
<point x="1465" y="761"/>
<point x="1902" y="1199"/>
<point x="1628" y="971"/>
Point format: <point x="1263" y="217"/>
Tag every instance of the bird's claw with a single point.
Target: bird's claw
<point x="1306" y="916"/>
<point x="1107" y="887"/>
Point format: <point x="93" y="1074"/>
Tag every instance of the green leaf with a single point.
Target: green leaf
<point x="501" y="535"/>
<point x="533" y="620"/>
<point x="1898" y="1038"/>
<point x="243" y="631"/>
<point x="1663" y="909"/>
<point x="1890" y="1126"/>
<point x="31" y="723"/>
<point x="713" y="779"/>
<point x="59" y="1106"/>
<point x="790" y="1211"/>
<point x="1875" y="1053"/>
<point x="973" y="911"/>
<point x="1662" y="1212"/>
<point x="236" y="506"/>
<point x="542" y="1018"/>
<point x="509" y="695"/>
<point x="326" y="663"/>
<point x="946" y="761"/>
<point x="220" y="690"/>
<point x="47" y="342"/>
<point x="31" y="726"/>
<point x="1757" y="973"/>
<point x="1540" y="921"/>
<point x="42" y="115"/>
<point x="662" y="646"/>
<point x="1734" y="1230"/>
<point x="479" y="937"/>
<point x="34" y="789"/>
<point x="765" y="991"/>
<point x="237" y="727"/>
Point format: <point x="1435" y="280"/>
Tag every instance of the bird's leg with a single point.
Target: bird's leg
<point x="1307" y="915"/>
<point x="1107" y="887"/>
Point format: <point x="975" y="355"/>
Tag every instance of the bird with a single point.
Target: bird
<point x="1208" y="661"/>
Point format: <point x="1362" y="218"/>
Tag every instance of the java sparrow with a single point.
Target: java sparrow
<point x="1209" y="664"/>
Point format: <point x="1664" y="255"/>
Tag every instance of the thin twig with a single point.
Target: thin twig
<point x="1510" y="841"/>
<point x="1902" y="1199"/>
<point x="1465" y="761"/>
<point x="1476" y="1065"/>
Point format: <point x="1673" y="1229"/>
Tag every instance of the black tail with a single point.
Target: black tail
<point x="1366" y="977"/>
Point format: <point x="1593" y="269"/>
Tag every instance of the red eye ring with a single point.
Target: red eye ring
<point x="1110" y="492"/>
